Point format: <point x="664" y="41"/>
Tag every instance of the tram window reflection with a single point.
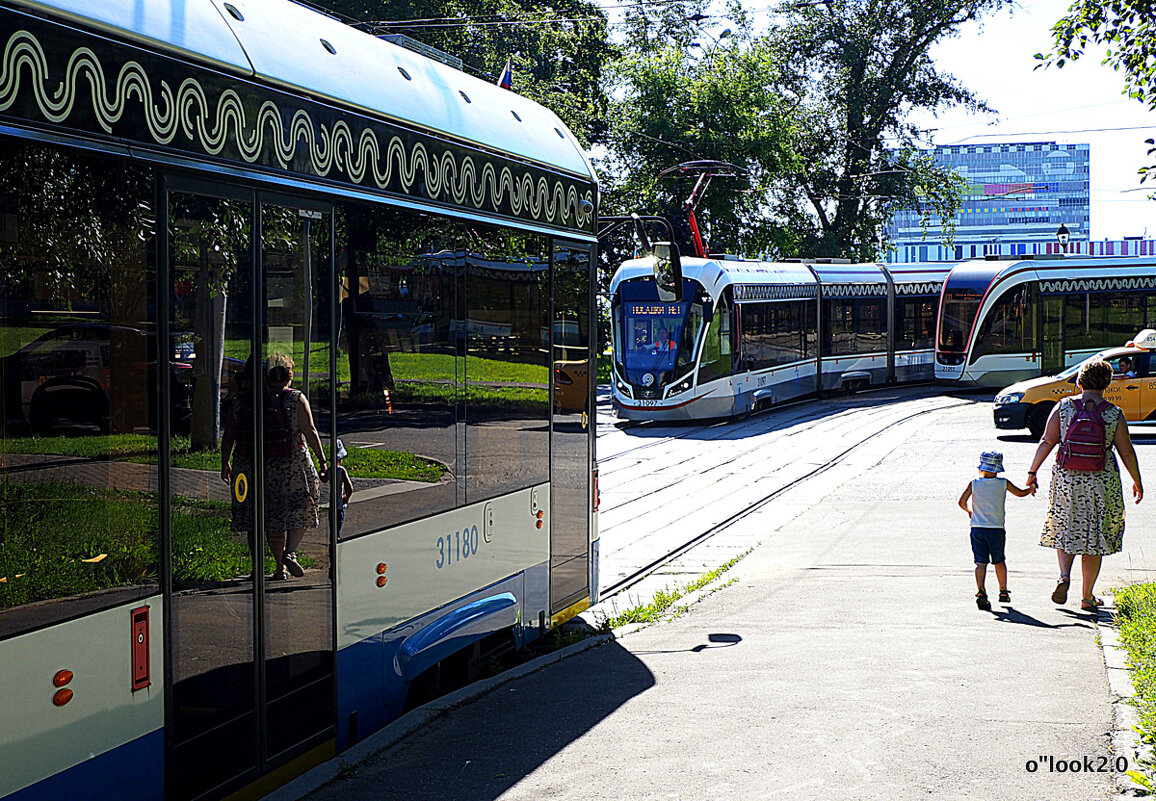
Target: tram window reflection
<point x="507" y="362"/>
<point x="78" y="384"/>
<point x="855" y="325"/>
<point x="399" y="364"/>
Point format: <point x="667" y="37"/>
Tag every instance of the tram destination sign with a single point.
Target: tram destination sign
<point x="654" y="310"/>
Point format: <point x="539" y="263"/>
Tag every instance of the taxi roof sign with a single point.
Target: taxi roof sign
<point x="1146" y="339"/>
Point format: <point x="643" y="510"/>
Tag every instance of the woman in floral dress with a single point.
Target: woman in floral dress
<point x="1086" y="508"/>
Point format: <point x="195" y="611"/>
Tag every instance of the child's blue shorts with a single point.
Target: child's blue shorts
<point x="987" y="545"/>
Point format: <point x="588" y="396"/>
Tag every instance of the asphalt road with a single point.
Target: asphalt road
<point x="848" y="661"/>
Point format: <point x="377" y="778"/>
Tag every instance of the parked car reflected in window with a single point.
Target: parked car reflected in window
<point x="79" y="384"/>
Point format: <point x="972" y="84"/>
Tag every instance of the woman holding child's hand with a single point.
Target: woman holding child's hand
<point x="1086" y="506"/>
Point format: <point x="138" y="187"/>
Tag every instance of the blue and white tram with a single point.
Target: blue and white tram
<point x="188" y="189"/>
<point x="1004" y="320"/>
<point x="748" y="334"/>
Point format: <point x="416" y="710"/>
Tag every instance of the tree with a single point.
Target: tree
<point x="558" y="47"/>
<point x="678" y="99"/>
<point x="1128" y="28"/>
<point x="855" y="68"/>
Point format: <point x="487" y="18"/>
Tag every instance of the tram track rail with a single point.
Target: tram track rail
<point x="687" y="544"/>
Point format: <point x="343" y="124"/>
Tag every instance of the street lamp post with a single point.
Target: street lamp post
<point x="1063" y="236"/>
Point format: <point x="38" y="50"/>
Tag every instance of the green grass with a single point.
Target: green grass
<point x="407" y="366"/>
<point x="13" y="338"/>
<point x="140" y="448"/>
<point x="666" y="598"/>
<point x="374" y="463"/>
<point x="1136" y="617"/>
<point x="54" y="526"/>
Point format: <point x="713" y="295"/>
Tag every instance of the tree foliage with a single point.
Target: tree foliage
<point x="558" y="47"/>
<point x="815" y="110"/>
<point x="1128" y="29"/>
<point x="677" y="103"/>
<point x="856" y="68"/>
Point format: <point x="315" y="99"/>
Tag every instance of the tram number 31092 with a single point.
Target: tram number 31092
<point x="457" y="546"/>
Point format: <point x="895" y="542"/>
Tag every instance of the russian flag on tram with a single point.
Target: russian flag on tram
<point x="506" y="79"/>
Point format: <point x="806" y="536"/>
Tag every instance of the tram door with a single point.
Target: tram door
<point x="249" y="663"/>
<point x="571" y="428"/>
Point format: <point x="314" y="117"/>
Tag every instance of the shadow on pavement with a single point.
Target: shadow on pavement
<point x="481" y="749"/>
<point x="713" y="641"/>
<point x="1011" y="615"/>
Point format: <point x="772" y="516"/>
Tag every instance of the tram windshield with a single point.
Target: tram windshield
<point x="956" y="316"/>
<point x="655" y="337"/>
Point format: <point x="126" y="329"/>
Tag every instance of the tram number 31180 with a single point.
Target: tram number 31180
<point x="457" y="546"/>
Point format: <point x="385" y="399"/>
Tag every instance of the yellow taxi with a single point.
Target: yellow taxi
<point x="1027" y="404"/>
<point x="571" y="386"/>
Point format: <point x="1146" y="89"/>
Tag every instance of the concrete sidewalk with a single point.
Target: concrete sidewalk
<point x="848" y="662"/>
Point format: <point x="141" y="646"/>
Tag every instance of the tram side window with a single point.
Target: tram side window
<point x="78" y="385"/>
<point x="915" y="323"/>
<point x="855" y="325"/>
<point x="1126" y="316"/>
<point x="772" y="333"/>
<point x="718" y="345"/>
<point x="401" y="344"/>
<point x="444" y="332"/>
<point x="507" y="362"/>
<point x="1086" y="323"/>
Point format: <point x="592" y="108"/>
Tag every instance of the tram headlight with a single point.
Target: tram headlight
<point x="1011" y="397"/>
<point x="677" y="388"/>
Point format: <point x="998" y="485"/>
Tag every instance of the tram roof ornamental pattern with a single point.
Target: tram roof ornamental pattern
<point x="131" y="95"/>
<point x="280" y="42"/>
<point x="1097" y="284"/>
<point x="754" y="292"/>
<point x="921" y="288"/>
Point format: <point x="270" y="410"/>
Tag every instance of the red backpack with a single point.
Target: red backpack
<point x="1084" y="447"/>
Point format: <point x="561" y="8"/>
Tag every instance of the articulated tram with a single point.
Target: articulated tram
<point x="188" y="189"/>
<point x="1004" y="320"/>
<point x="748" y="334"/>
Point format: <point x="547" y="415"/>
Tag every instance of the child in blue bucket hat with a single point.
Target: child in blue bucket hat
<point x="988" y="536"/>
<point x="344" y="484"/>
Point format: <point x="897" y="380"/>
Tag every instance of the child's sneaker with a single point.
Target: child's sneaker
<point x="1004" y="597"/>
<point x="982" y="602"/>
<point x="292" y="565"/>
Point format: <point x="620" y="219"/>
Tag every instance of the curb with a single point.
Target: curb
<point x="419" y="718"/>
<point x="1124" y="738"/>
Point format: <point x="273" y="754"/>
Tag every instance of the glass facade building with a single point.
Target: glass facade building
<point x="1016" y="197"/>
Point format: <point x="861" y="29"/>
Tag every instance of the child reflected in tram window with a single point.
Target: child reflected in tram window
<point x="344" y="484"/>
<point x="987" y="494"/>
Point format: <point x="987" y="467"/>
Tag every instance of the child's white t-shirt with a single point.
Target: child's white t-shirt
<point x="987" y="500"/>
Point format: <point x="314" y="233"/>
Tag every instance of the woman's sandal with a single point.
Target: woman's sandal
<point x="1091" y="604"/>
<point x="982" y="602"/>
<point x="1004" y="597"/>
<point x="1060" y="593"/>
